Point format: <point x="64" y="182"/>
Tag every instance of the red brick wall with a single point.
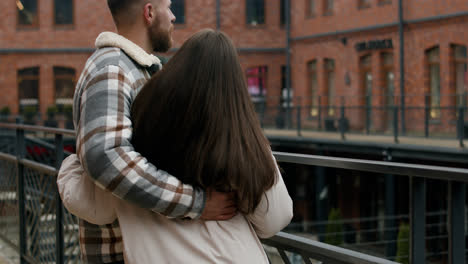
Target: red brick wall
<point x="92" y="17"/>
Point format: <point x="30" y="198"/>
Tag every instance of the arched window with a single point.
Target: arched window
<point x="63" y="12"/>
<point x="328" y="6"/>
<point x="459" y="55"/>
<point x="388" y="71"/>
<point x="255" y="12"/>
<point x="313" y="87"/>
<point x="28" y="89"/>
<point x="329" y="65"/>
<point x="64" y="81"/>
<point x="310" y="8"/>
<point x="433" y="69"/>
<point x="27" y="13"/>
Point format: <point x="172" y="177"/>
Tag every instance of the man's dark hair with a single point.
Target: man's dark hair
<point x="119" y="8"/>
<point x="195" y="120"/>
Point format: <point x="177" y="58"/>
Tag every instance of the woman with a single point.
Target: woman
<point x="195" y="119"/>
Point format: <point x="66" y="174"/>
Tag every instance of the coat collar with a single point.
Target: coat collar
<point x="111" y="39"/>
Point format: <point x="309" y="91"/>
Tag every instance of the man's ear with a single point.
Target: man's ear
<point x="149" y="13"/>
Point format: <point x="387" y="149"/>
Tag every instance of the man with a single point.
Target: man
<point x="110" y="81"/>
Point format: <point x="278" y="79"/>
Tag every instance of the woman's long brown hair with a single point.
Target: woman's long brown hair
<point x="195" y="120"/>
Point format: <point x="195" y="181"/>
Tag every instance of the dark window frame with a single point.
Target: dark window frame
<point x="384" y="2"/>
<point x="69" y="25"/>
<point x="309" y="11"/>
<point x="435" y="112"/>
<point x="180" y="19"/>
<point x="312" y="73"/>
<point x="330" y="93"/>
<point x="364" y="4"/>
<point x="22" y="75"/>
<point x="328" y="9"/>
<point x="36" y="22"/>
<point x="249" y="13"/>
<point x="454" y="64"/>
<point x="63" y="76"/>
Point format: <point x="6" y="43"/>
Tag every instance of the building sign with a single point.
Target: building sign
<point x="375" y="45"/>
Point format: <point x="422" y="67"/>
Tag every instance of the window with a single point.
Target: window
<point x="256" y="82"/>
<point x="365" y="66"/>
<point x="310" y="8"/>
<point x="385" y="2"/>
<point x="63" y="12"/>
<point x="328" y="7"/>
<point x="283" y="12"/>
<point x="388" y="75"/>
<point x="364" y="4"/>
<point x="64" y="80"/>
<point x="313" y="87"/>
<point x="28" y="89"/>
<point x="433" y="68"/>
<point x="459" y="55"/>
<point x="255" y="12"/>
<point x="330" y="85"/>
<point x="178" y="8"/>
<point x="389" y="78"/>
<point x="27" y="13"/>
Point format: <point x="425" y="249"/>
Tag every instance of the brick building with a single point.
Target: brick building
<point x="342" y="52"/>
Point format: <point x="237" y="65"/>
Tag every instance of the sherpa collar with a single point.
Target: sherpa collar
<point x="111" y="39"/>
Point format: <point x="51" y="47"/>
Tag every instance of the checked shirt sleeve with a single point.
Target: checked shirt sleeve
<point x="104" y="132"/>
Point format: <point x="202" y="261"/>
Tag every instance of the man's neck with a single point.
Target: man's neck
<point x="137" y="37"/>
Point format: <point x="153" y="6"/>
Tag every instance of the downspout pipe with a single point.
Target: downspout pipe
<point x="218" y="14"/>
<point x="401" y="24"/>
<point x="288" y="62"/>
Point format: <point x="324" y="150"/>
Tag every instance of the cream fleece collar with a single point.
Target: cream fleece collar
<point x="111" y="39"/>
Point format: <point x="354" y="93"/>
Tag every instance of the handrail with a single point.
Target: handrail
<point x="57" y="131"/>
<point x="324" y="252"/>
<point x="425" y="171"/>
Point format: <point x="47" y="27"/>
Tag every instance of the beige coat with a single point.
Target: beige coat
<point x="152" y="238"/>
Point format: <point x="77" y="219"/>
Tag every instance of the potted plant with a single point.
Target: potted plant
<point x="51" y="112"/>
<point x="68" y="114"/>
<point x="29" y="113"/>
<point x="4" y="114"/>
<point x="334" y="235"/>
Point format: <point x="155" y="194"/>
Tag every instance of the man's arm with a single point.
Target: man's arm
<point x="104" y="132"/>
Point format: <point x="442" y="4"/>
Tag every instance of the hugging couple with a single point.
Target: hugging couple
<point x="172" y="165"/>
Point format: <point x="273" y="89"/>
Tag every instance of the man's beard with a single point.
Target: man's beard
<point x="160" y="40"/>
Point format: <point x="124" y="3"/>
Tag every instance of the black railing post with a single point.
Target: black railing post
<point x="417" y="220"/>
<point x="390" y="222"/>
<point x="342" y="121"/>
<point x="299" y="119"/>
<point x="319" y="113"/>
<point x="20" y="154"/>
<point x="460" y="126"/>
<point x="368" y="112"/>
<point x="427" y="111"/>
<point x="395" y="124"/>
<point x="456" y="207"/>
<point x="59" y="243"/>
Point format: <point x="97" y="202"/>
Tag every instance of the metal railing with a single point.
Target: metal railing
<point x="34" y="222"/>
<point x="367" y="115"/>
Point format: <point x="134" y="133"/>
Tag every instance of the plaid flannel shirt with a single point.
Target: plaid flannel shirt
<point x="109" y="83"/>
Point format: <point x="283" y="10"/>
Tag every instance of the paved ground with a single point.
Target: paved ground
<point x="7" y="254"/>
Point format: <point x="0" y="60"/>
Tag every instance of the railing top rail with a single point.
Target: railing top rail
<point x="42" y="168"/>
<point x="59" y="131"/>
<point x="385" y="167"/>
<point x="322" y="251"/>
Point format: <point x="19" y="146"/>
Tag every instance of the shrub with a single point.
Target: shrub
<point x="334" y="235"/>
<point x="5" y="111"/>
<point x="403" y="244"/>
